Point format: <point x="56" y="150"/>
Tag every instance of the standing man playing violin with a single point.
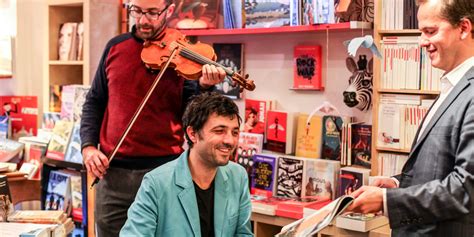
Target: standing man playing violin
<point x="120" y="84"/>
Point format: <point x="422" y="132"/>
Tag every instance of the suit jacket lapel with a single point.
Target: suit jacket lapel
<point x="462" y="84"/>
<point x="187" y="197"/>
<point x="220" y="201"/>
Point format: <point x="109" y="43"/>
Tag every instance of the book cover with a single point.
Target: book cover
<point x="249" y="145"/>
<point x="267" y="13"/>
<point x="294" y="207"/>
<point x="23" y="113"/>
<point x="266" y="205"/>
<point x="73" y="98"/>
<point x="307" y="67"/>
<point x="263" y="175"/>
<point x="331" y="139"/>
<point x="361" y="144"/>
<point x="256" y="115"/>
<point x="317" y="221"/>
<point x="190" y="14"/>
<point x="50" y="119"/>
<point x="73" y="151"/>
<point x="10" y="150"/>
<point x="58" y="196"/>
<point x="320" y="178"/>
<point x="230" y="56"/>
<point x="280" y="131"/>
<point x="38" y="216"/>
<point x="55" y="95"/>
<point x="351" y="179"/>
<point x="289" y="177"/>
<point x="6" y="205"/>
<point x="308" y="136"/>
<point x="59" y="140"/>
<point x="4" y="127"/>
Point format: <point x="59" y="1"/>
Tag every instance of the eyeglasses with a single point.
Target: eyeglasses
<point x="151" y="14"/>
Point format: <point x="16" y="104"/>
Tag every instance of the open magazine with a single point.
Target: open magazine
<point x="314" y="223"/>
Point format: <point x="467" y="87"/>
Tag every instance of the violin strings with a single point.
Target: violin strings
<point x="202" y="60"/>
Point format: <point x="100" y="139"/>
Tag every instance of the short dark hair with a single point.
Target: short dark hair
<point x="455" y="10"/>
<point x="204" y="105"/>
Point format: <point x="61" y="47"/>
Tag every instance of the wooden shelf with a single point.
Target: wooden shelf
<point x="414" y="92"/>
<point x="400" y="32"/>
<point x="65" y="3"/>
<point x="65" y="63"/>
<point x="382" y="149"/>
<point x="353" y="25"/>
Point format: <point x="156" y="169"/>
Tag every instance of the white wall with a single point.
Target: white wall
<point x="268" y="61"/>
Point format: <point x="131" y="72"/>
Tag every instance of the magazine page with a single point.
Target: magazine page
<point x="314" y="223"/>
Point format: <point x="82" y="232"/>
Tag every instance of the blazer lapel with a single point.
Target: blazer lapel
<point x="220" y="201"/>
<point x="462" y="84"/>
<point x="187" y="197"/>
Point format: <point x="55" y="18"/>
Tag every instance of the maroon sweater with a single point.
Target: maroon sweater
<point x="120" y="84"/>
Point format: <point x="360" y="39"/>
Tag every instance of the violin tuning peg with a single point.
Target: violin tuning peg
<point x="246" y="76"/>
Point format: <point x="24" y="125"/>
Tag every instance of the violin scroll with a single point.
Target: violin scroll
<point x="243" y="81"/>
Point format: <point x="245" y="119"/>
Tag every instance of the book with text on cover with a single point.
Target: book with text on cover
<point x="314" y="223"/>
<point x="281" y="131"/>
<point x="307" y="68"/>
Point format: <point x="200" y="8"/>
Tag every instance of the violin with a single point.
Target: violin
<point x="188" y="59"/>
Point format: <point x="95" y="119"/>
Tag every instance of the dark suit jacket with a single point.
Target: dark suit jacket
<point x="436" y="194"/>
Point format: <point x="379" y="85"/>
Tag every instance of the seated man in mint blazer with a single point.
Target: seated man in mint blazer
<point x="201" y="193"/>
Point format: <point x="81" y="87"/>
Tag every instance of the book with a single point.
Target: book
<point x="361" y="143"/>
<point x="6" y="205"/>
<point x="249" y="145"/>
<point x="263" y="175"/>
<point x="361" y="222"/>
<point x="29" y="169"/>
<point x="73" y="151"/>
<point x="314" y="223"/>
<point x="59" y="140"/>
<point x="195" y="14"/>
<point x="265" y="14"/>
<point x="320" y="178"/>
<point x="256" y="115"/>
<point x="58" y="196"/>
<point x="232" y="57"/>
<point x="266" y="205"/>
<point x="72" y="100"/>
<point x="35" y="149"/>
<point x="55" y="92"/>
<point x="351" y="179"/>
<point x="307" y="66"/>
<point x="38" y="217"/>
<point x="308" y="136"/>
<point x="39" y="232"/>
<point x="10" y="150"/>
<point x="294" y="207"/>
<point x="331" y="137"/>
<point x="50" y="119"/>
<point x="67" y="49"/>
<point x="5" y="129"/>
<point x="289" y="176"/>
<point x="23" y="114"/>
<point x="281" y="131"/>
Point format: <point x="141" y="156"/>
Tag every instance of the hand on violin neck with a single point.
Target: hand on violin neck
<point x="211" y="75"/>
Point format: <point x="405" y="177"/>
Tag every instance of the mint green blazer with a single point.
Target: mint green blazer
<point x="166" y="204"/>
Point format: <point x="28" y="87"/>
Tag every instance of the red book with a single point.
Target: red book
<point x="281" y="131"/>
<point x="23" y="113"/>
<point x="294" y="207"/>
<point x="307" y="67"/>
<point x="256" y="115"/>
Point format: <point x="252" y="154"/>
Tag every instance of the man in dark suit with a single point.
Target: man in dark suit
<point x="434" y="194"/>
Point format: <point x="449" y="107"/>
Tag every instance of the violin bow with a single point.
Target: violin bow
<point x="139" y="110"/>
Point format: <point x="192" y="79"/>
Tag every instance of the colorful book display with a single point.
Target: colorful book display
<point x="263" y="175"/>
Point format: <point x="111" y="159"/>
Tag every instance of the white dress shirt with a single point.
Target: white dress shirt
<point x="448" y="82"/>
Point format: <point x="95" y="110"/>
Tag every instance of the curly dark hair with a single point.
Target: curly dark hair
<point x="204" y="105"/>
<point x="455" y="10"/>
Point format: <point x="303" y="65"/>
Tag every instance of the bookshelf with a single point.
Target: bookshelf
<point x="378" y="91"/>
<point x="101" y="23"/>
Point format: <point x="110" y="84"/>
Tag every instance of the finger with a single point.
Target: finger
<point x="98" y="165"/>
<point x="377" y="183"/>
<point x="358" y="192"/>
<point x="104" y="160"/>
<point x="222" y="74"/>
<point x="213" y="74"/>
<point x="205" y="72"/>
<point x="96" y="172"/>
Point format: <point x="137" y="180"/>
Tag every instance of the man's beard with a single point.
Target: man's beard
<point x="155" y="30"/>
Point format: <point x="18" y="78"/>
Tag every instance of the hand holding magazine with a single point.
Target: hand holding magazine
<point x="314" y="223"/>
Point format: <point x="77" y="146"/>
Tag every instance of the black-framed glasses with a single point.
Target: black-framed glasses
<point x="151" y="14"/>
